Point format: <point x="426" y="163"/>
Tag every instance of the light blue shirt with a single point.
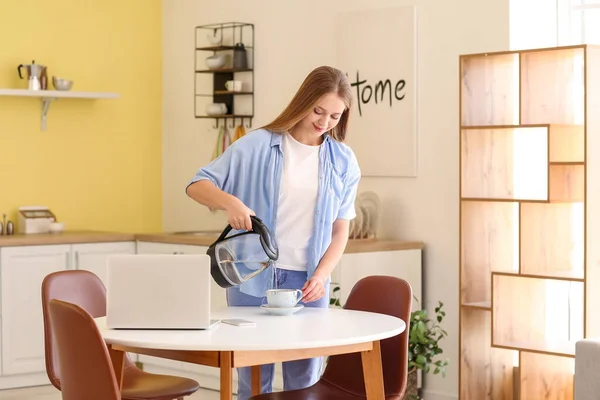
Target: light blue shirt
<point x="251" y="168"/>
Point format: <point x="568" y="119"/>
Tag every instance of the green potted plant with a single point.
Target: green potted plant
<point x="424" y="347"/>
<point x="423" y="344"/>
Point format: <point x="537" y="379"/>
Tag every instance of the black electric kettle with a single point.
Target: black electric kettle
<point x="242" y="256"/>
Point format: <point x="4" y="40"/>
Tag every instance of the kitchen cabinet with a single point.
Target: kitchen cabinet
<point x="93" y="256"/>
<point x="22" y="270"/>
<point x="405" y="264"/>
<point x="217" y="293"/>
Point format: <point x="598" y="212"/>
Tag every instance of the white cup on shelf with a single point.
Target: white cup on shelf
<point x="233" y="86"/>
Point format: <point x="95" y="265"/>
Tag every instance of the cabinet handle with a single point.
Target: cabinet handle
<point x="76" y="260"/>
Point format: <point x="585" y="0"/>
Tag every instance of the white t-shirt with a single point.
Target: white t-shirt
<point x="297" y="201"/>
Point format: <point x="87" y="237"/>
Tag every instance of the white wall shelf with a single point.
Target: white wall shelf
<point x="48" y="96"/>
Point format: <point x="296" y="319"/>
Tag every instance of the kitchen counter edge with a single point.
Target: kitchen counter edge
<point x="80" y="237"/>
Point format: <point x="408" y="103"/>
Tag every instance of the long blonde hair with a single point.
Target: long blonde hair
<point x="321" y="81"/>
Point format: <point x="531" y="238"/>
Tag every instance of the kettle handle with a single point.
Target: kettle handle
<point x="268" y="243"/>
<point x="256" y="223"/>
<point x="19" y="70"/>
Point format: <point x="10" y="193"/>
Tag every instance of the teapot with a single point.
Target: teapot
<point x="36" y="75"/>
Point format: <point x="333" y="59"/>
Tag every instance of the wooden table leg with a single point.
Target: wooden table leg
<point x="117" y="357"/>
<point x="226" y="365"/>
<point x="256" y="380"/>
<point x="373" y="372"/>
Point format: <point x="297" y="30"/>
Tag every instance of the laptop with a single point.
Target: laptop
<point x="158" y="291"/>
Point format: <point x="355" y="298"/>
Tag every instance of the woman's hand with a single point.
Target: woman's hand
<point x="238" y="215"/>
<point x="313" y="289"/>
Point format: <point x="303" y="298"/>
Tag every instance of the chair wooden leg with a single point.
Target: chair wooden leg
<point x="256" y="380"/>
<point x="117" y="358"/>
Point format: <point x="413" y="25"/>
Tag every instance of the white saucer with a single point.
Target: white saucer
<point x="282" y="310"/>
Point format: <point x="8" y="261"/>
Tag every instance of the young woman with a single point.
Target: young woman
<point x="300" y="179"/>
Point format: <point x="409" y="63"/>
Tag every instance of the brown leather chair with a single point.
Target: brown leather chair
<point x="85" y="289"/>
<point x="83" y="359"/>
<point x="343" y="377"/>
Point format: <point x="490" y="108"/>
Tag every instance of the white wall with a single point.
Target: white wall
<point x="294" y="36"/>
<point x="546" y="32"/>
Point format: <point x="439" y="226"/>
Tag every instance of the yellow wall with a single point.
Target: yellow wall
<point x="98" y="164"/>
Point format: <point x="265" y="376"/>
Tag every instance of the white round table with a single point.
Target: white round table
<point x="311" y="332"/>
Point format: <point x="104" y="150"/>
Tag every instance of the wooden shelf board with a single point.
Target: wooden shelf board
<point x="227" y="92"/>
<point x="223" y="70"/>
<point x="215" y="48"/>
<point x="222" y="93"/>
<point x="571" y="276"/>
<point x="485" y="127"/>
<point x="501" y="200"/>
<point x="559" y="163"/>
<point x="533" y="50"/>
<point x="219" y="48"/>
<point x="498" y="200"/>
<point x="225" y="116"/>
<point x="566" y="349"/>
<point x="482" y="305"/>
<point x="57" y="94"/>
<point x="578" y="126"/>
<point x="48" y="96"/>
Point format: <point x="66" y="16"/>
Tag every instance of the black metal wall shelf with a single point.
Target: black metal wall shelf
<point x="233" y="119"/>
<point x="237" y="32"/>
<point x="222" y="71"/>
<point x="219" y="48"/>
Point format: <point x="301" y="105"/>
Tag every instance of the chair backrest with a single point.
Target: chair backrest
<point x="79" y="287"/>
<point x="83" y="358"/>
<point x="385" y="295"/>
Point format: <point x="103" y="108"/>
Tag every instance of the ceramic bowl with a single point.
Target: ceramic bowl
<point x="215" y="40"/>
<point x="61" y="84"/>
<point x="216" y="109"/>
<point x="215" y="62"/>
<point x="56" y="227"/>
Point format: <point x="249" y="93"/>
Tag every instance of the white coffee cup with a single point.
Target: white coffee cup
<point x="233" y="86"/>
<point x="283" y="298"/>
